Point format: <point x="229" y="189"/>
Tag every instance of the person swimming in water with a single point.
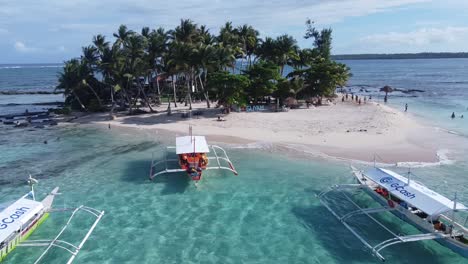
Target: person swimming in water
<point x="453" y="115"/>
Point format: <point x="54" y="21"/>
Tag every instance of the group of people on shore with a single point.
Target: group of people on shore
<point x="355" y="98"/>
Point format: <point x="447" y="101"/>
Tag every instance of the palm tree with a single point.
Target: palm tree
<point x="179" y="59"/>
<point x="134" y="49"/>
<point x="75" y="78"/>
<point x="205" y="59"/>
<point x="286" y="50"/>
<point x="69" y="81"/>
<point x="100" y="42"/>
<point x="186" y="32"/>
<point x="157" y="47"/>
<point x="121" y="35"/>
<point x="248" y="38"/>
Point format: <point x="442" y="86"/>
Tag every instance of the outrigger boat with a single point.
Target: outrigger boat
<point x="21" y="218"/>
<point x="192" y="157"/>
<point x="436" y="216"/>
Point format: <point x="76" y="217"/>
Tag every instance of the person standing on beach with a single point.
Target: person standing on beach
<point x="406" y="107"/>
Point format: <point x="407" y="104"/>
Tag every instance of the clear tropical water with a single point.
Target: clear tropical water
<point x="27" y="78"/>
<point x="267" y="214"/>
<point x="444" y="82"/>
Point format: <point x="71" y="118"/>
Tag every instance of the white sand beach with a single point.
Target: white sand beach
<point x="342" y="130"/>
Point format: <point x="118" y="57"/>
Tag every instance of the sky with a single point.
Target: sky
<point x="50" y="31"/>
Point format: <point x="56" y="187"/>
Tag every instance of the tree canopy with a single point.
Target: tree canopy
<point x="231" y="67"/>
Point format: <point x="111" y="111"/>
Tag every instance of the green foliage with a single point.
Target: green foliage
<point x="322" y="39"/>
<point x="288" y="88"/>
<point x="324" y="76"/>
<point x="148" y="63"/>
<point x="263" y="78"/>
<point x="228" y="88"/>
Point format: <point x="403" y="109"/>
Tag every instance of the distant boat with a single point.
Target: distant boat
<point x="436" y="216"/>
<point x="192" y="157"/>
<point x="21" y="218"/>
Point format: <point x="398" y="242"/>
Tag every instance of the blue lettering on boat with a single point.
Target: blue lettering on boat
<point x="401" y="189"/>
<point x="9" y="220"/>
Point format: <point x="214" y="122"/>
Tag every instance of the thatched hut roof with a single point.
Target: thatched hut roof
<point x="290" y="101"/>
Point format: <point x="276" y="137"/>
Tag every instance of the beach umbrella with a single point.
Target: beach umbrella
<point x="387" y="89"/>
<point x="290" y="102"/>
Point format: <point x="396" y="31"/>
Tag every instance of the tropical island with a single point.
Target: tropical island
<point x="189" y="63"/>
<point x="170" y="79"/>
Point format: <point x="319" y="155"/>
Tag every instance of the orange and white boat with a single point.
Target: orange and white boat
<point x="192" y="156"/>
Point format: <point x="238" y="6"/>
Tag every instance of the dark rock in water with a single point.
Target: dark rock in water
<point x="28" y="92"/>
<point x="11" y="116"/>
<point x="22" y="123"/>
<point x="409" y="90"/>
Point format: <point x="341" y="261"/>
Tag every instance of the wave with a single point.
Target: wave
<point x="442" y="156"/>
<point x="29" y="67"/>
<point x="10" y="67"/>
<point x="255" y="145"/>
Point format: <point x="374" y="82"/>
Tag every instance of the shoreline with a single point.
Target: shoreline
<point x="343" y="131"/>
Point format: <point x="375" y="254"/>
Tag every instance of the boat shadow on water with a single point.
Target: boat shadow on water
<point x="137" y="172"/>
<point x="345" y="248"/>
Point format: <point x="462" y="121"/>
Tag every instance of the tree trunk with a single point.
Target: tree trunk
<point x="157" y="83"/>
<point x="145" y="97"/>
<point x="205" y="92"/>
<point x="174" y="88"/>
<point x="189" y="94"/>
<point x="79" y="101"/>
<point x="95" y="94"/>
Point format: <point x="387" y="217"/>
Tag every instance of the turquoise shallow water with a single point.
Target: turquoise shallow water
<point x="267" y="214"/>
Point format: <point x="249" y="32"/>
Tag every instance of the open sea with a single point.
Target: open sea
<point x="267" y="214"/>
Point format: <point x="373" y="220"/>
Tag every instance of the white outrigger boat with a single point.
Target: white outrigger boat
<point x="436" y="216"/>
<point x="192" y="157"/>
<point x="21" y="218"/>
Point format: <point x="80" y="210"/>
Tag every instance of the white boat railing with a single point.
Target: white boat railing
<point x="69" y="247"/>
<point x="218" y="158"/>
<point x="396" y="239"/>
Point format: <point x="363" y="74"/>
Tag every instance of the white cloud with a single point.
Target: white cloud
<point x="21" y="47"/>
<point x="420" y="37"/>
<point x="271" y="16"/>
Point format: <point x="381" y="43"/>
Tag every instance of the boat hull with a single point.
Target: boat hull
<point x="22" y="236"/>
<point x="417" y="222"/>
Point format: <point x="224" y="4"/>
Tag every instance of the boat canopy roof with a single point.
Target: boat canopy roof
<point x="412" y="192"/>
<point x="16" y="215"/>
<point x="191" y="144"/>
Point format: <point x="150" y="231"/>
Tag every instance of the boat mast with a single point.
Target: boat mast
<point x="409" y="174"/>
<point x="31" y="182"/>
<point x="453" y="213"/>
